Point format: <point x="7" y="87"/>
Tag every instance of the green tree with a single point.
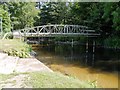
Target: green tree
<point x="52" y="13"/>
<point x="6" y="26"/>
<point x="22" y="14"/>
<point x="116" y="20"/>
<point x="111" y="17"/>
<point x="80" y="12"/>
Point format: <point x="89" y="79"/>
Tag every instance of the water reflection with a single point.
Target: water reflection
<point x="101" y="58"/>
<point x="96" y="63"/>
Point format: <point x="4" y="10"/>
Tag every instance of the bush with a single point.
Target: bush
<point x="15" y="47"/>
<point x="113" y="42"/>
<point x="18" y="53"/>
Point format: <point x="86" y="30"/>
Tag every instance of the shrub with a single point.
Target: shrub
<point x="112" y="42"/>
<point x="18" y="53"/>
<point x="15" y="47"/>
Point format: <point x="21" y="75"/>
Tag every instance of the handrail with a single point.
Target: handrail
<point x="6" y="35"/>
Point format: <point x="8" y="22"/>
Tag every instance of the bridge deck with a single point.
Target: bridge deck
<point x="58" y="34"/>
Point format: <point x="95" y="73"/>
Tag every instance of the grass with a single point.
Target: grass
<point x="47" y="80"/>
<point x="55" y="80"/>
<point x="15" y="47"/>
<point x="4" y="77"/>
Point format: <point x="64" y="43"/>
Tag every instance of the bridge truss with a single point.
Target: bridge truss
<point x="56" y="31"/>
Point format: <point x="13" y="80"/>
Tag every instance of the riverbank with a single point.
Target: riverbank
<point x="41" y="80"/>
<point x="17" y="72"/>
<point x="31" y="73"/>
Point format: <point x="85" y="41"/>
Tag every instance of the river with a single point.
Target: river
<point x="100" y="66"/>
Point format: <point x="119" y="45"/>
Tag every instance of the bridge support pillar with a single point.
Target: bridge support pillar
<point x="86" y="57"/>
<point x="87" y="46"/>
<point x="93" y="46"/>
<point x="93" y="56"/>
<point x="39" y="40"/>
<point x="72" y="42"/>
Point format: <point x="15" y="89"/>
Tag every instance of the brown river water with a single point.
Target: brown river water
<point x="101" y="66"/>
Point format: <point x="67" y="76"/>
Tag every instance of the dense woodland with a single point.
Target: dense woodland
<point x="102" y="17"/>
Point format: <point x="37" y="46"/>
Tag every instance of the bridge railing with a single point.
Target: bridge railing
<point x="57" y="30"/>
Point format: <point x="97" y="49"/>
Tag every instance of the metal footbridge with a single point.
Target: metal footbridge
<point x="56" y="31"/>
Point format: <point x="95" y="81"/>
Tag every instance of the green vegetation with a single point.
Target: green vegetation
<point x="17" y="15"/>
<point x="15" y="47"/>
<point x="112" y="42"/>
<point x="22" y="14"/>
<point x="55" y="80"/>
<point x="6" y="26"/>
<point x="52" y="13"/>
<point x="102" y="17"/>
<point x="47" y="80"/>
<point x="4" y="77"/>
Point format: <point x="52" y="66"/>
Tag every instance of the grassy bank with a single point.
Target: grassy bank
<point x="35" y="79"/>
<point x="15" y="47"/>
<point x="4" y="78"/>
<point x="55" y="80"/>
<point x="47" y="80"/>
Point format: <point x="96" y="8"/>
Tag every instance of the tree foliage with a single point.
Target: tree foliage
<point x="52" y="13"/>
<point x="22" y="14"/>
<point x="98" y="16"/>
<point x="103" y="17"/>
<point x="6" y="26"/>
